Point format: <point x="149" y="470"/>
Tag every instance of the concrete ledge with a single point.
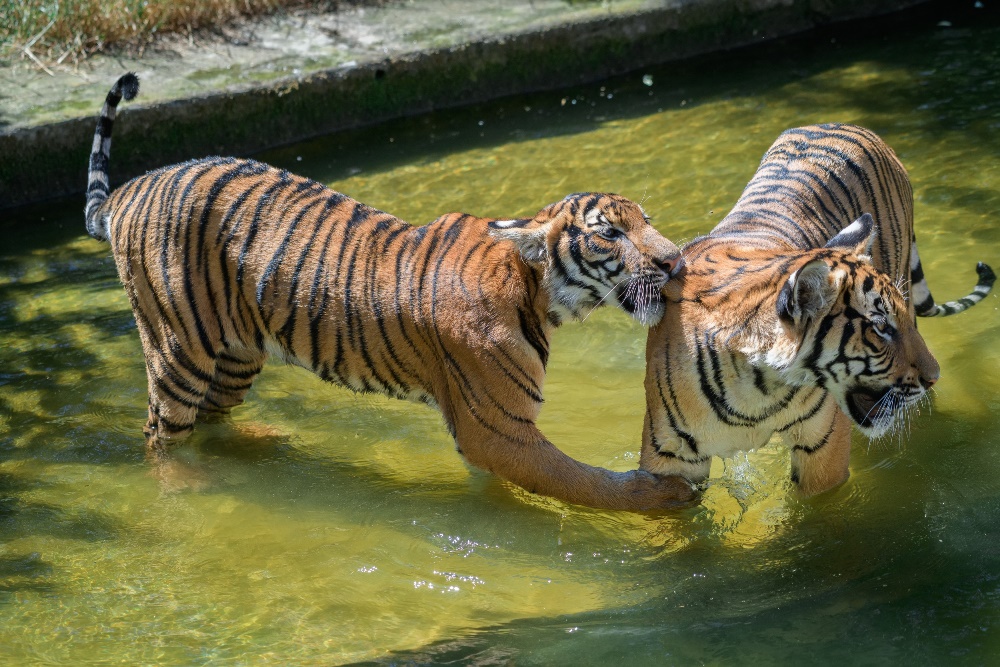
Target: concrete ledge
<point x="49" y="159"/>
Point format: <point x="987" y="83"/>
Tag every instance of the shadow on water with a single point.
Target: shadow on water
<point x="664" y="634"/>
<point x="47" y="355"/>
<point x="45" y="227"/>
<point x="23" y="518"/>
<point x="19" y="518"/>
<point x="27" y="572"/>
<point x="907" y="600"/>
<point x="252" y="462"/>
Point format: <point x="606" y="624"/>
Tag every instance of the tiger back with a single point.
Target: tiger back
<point x="791" y="317"/>
<point x="227" y="261"/>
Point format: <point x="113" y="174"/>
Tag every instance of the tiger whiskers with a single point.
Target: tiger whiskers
<point x="639" y="288"/>
<point x="604" y="298"/>
<point x="883" y="415"/>
<point x="643" y="292"/>
<point x="894" y="417"/>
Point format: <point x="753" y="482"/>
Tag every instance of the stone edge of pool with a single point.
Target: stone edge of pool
<point x="48" y="160"/>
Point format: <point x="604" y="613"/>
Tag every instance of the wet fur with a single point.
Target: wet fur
<point x="226" y="261"/>
<point x="791" y="318"/>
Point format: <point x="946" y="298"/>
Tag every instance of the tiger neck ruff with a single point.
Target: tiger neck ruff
<point x="227" y="260"/>
<point x="791" y="317"/>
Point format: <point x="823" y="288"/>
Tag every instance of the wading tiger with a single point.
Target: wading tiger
<point x="791" y="316"/>
<point x="228" y="260"/>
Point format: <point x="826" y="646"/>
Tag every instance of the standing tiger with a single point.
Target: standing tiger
<point x="227" y="260"/>
<point x="791" y="317"/>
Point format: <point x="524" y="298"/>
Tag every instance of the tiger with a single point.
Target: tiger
<point x="227" y="261"/>
<point x="796" y="316"/>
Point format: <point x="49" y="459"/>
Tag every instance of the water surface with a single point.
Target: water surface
<point x="338" y="528"/>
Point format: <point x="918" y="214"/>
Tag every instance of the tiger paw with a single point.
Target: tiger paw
<point x="651" y="492"/>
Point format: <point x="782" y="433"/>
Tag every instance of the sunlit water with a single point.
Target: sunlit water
<point x="339" y="528"/>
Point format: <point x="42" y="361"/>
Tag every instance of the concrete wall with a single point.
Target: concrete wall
<point x="49" y="160"/>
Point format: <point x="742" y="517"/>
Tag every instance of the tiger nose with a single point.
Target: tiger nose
<point x="929" y="374"/>
<point x="928" y="370"/>
<point x="670" y="266"/>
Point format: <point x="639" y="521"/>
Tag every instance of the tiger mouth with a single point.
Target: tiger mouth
<point x="641" y="298"/>
<point x="866" y="406"/>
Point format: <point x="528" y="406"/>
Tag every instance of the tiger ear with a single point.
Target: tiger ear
<point x="806" y="294"/>
<point x="858" y="236"/>
<point x="527" y="235"/>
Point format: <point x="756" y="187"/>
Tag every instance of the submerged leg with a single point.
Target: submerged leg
<point x="178" y="382"/>
<point x="665" y="458"/>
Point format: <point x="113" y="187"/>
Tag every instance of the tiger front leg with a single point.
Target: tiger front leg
<point x="664" y="452"/>
<point x="536" y="465"/>
<point x="821" y="449"/>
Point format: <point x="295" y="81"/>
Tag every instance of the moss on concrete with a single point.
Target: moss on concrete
<point x="49" y="160"/>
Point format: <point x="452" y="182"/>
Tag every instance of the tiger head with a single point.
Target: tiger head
<point x="853" y="332"/>
<point x="596" y="248"/>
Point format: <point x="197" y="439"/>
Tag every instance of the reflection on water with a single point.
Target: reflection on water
<point x="337" y="528"/>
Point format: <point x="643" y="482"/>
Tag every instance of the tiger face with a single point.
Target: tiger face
<point x="862" y="341"/>
<point x="594" y="249"/>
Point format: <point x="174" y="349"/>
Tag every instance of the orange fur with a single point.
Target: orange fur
<point x="226" y="261"/>
<point x="789" y="318"/>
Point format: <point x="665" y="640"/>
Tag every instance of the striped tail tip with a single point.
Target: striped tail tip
<point x="986" y="276"/>
<point x="128" y="86"/>
<point x="98" y="181"/>
<point x="978" y="293"/>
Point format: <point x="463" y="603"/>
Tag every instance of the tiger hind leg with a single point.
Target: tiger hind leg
<point x="235" y="371"/>
<point x="178" y="378"/>
<point x="176" y="392"/>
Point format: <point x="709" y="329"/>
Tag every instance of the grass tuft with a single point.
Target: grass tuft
<point x="52" y="31"/>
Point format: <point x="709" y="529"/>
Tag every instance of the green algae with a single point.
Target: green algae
<point x="395" y="61"/>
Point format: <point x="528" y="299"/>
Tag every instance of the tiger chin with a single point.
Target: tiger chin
<point x="228" y="260"/>
<point x="792" y="316"/>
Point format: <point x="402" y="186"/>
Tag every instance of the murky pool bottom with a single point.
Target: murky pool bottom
<point x="326" y="527"/>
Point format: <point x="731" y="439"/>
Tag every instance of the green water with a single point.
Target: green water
<point x="336" y="528"/>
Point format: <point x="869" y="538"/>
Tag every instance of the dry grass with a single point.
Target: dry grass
<point x="52" y="31"/>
